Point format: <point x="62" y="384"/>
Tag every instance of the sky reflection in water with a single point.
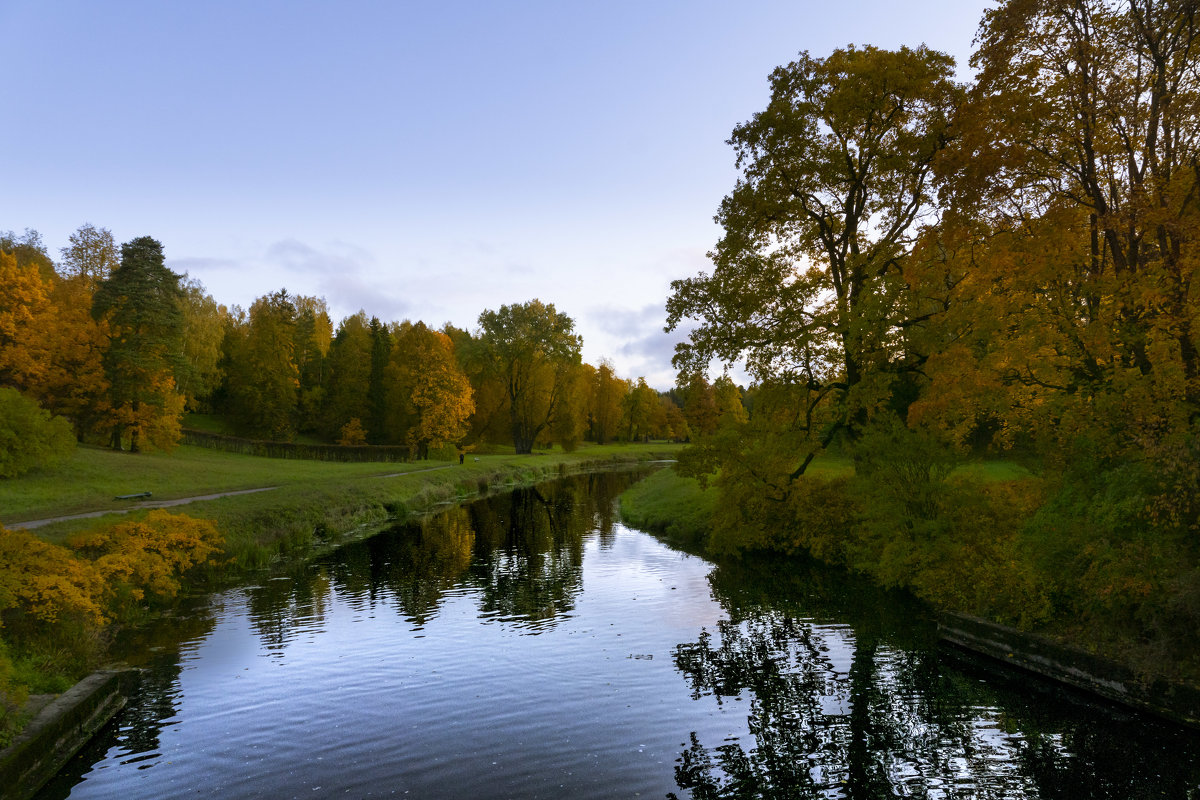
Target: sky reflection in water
<point x="530" y="646"/>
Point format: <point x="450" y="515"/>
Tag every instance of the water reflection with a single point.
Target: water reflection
<point x="404" y="664"/>
<point x="520" y="554"/>
<point x="153" y="704"/>
<point x="853" y="710"/>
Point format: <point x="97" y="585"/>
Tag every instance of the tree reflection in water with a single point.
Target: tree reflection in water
<point x="855" y="710"/>
<point x="520" y="554"/>
<point x="153" y="649"/>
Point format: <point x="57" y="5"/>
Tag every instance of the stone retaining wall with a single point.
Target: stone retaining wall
<point x="60" y="730"/>
<point x="1077" y="668"/>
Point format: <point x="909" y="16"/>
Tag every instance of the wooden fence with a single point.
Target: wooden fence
<point x="313" y="452"/>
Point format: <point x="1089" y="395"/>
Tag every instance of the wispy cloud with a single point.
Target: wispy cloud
<point x="338" y="258"/>
<point x="351" y="292"/>
<point x="192" y="265"/>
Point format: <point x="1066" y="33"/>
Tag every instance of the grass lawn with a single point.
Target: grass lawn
<point x="678" y="508"/>
<point x="669" y="504"/>
<point x="92" y="477"/>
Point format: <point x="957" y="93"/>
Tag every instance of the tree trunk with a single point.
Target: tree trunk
<point x="522" y="438"/>
<point x="133" y="434"/>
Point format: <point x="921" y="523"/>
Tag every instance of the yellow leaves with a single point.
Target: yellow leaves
<point x="24" y="320"/>
<point x="353" y="434"/>
<point x="74" y="383"/>
<point x="103" y="570"/>
<point x="149" y="556"/>
<point x="45" y="581"/>
<point x="441" y="393"/>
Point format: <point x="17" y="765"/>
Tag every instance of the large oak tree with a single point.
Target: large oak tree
<point x="809" y="278"/>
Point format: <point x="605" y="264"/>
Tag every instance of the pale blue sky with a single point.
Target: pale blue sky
<point x="420" y="160"/>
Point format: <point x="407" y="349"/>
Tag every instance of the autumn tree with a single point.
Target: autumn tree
<point x="1075" y="179"/>
<point x="808" y="281"/>
<point x="140" y="301"/>
<point x="91" y="255"/>
<point x="607" y="392"/>
<point x="261" y="374"/>
<point x="74" y="383"/>
<point x="727" y="397"/>
<point x="570" y="423"/>
<point x="29" y="250"/>
<point x="203" y="332"/>
<point x="313" y="334"/>
<point x="25" y="315"/>
<point x="640" y="409"/>
<point x="532" y="350"/>
<point x="348" y="374"/>
<point x="674" y="425"/>
<point x="429" y="397"/>
<point x="698" y="404"/>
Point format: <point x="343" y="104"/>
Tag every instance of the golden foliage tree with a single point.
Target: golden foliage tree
<point x="429" y="398"/>
<point x="532" y="350"/>
<point x="74" y="383"/>
<point x="25" y="318"/>
<point x="1076" y="210"/>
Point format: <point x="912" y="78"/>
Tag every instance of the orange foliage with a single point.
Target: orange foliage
<point x="74" y="383"/>
<point x="147" y="557"/>
<point x="353" y="434"/>
<point x="25" y="313"/>
<point x="45" y="581"/>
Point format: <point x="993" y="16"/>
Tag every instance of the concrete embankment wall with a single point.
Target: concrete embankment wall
<point x="60" y="730"/>
<point x="1068" y="665"/>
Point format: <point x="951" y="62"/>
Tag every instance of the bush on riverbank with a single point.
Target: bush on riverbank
<point x="57" y="603"/>
<point x="1039" y="553"/>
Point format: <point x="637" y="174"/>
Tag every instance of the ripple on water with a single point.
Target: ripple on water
<point x="600" y="665"/>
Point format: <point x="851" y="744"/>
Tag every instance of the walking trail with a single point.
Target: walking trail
<point x="178" y="501"/>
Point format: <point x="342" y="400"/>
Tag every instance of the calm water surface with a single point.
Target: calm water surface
<point x="530" y="646"/>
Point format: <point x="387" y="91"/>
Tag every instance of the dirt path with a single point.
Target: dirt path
<point x="178" y="501"/>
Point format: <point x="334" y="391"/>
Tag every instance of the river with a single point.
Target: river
<point x="531" y="646"/>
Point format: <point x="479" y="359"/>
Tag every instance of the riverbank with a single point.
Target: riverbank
<point x="307" y="501"/>
<point x="312" y="508"/>
<point x="682" y="511"/>
<point x="460" y="639"/>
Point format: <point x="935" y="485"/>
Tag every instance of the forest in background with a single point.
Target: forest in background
<point x="108" y="346"/>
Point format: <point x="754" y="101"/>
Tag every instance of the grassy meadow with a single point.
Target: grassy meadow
<point x="313" y="501"/>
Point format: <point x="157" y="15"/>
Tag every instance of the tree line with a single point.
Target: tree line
<point x="915" y="270"/>
<point x="111" y="341"/>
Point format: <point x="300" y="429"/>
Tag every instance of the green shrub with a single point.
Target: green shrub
<point x="13" y="693"/>
<point x="29" y="436"/>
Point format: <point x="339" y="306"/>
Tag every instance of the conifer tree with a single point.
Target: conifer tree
<point x="141" y="302"/>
